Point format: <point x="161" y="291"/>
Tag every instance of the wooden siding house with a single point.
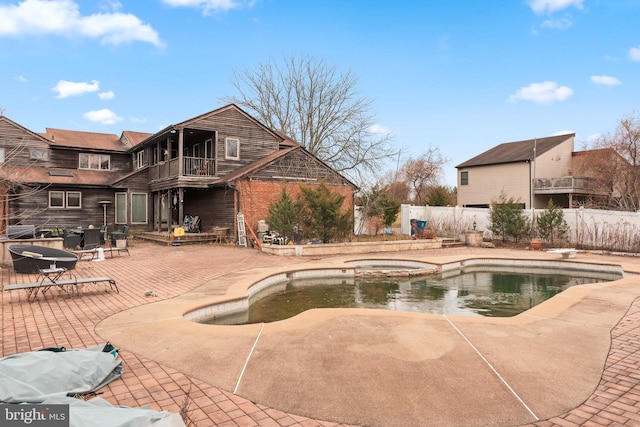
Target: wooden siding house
<point x="533" y="171"/>
<point x="211" y="166"/>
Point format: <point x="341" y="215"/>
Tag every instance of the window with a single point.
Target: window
<point x="38" y="153"/>
<point x="140" y="159"/>
<point x="74" y="200"/>
<point x="56" y="199"/>
<point x="232" y="148"/>
<point x="65" y="199"/>
<point x="121" y="208"/>
<point x="196" y="150"/>
<point x="139" y="208"/>
<point x="95" y="161"/>
<point x="464" y="178"/>
<point x="1" y="154"/>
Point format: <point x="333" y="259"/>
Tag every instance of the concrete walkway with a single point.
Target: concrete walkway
<point x="571" y="361"/>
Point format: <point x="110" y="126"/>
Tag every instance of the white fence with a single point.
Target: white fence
<point x="588" y="228"/>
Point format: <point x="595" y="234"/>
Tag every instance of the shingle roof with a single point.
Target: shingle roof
<point x="515" y="152"/>
<point x="135" y="138"/>
<point x="87" y="140"/>
<point x="60" y="176"/>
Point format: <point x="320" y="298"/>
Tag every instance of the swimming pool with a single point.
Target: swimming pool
<point x="488" y="290"/>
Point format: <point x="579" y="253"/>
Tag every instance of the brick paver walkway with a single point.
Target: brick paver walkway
<point x="57" y="321"/>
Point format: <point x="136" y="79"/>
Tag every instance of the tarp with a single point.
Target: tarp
<point x="35" y="376"/>
<point x="97" y="412"/>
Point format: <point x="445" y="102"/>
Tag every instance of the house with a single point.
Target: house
<point x="532" y="171"/>
<point x="212" y="166"/>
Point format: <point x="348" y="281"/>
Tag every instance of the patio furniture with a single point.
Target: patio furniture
<point x="21" y="231"/>
<point x="119" y="235"/>
<point x="91" y="238"/>
<point x="30" y="259"/>
<point x="60" y="278"/>
<point x="70" y="239"/>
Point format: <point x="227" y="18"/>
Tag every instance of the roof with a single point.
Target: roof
<point x="60" y="176"/>
<point x="264" y="161"/>
<point x="135" y="138"/>
<point x="87" y="140"/>
<point x="24" y="129"/>
<point x="194" y="120"/>
<point x="286" y="141"/>
<point x="515" y="152"/>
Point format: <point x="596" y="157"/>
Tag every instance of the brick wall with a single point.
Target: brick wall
<point x="256" y="196"/>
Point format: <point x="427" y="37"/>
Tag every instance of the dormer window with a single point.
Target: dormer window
<point x="94" y="161"/>
<point x="232" y="149"/>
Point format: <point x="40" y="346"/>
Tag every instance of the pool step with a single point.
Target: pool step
<point x="452" y="243"/>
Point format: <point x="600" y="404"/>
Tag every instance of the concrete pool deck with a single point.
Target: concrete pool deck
<point x="572" y="360"/>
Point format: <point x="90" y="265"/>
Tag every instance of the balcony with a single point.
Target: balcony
<point x="566" y="184"/>
<point x="196" y="171"/>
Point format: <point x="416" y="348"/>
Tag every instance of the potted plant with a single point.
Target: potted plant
<point x="536" y="243"/>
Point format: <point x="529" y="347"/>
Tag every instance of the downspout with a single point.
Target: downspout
<point x="236" y="209"/>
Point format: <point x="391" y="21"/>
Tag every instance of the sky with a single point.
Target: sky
<point x="457" y="75"/>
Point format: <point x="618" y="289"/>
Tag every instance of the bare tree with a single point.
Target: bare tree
<point x="617" y="165"/>
<point x="423" y="173"/>
<point x="320" y="108"/>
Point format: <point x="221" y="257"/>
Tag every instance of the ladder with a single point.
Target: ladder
<point x="242" y="234"/>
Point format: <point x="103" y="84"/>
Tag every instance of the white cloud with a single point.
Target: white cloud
<point x="107" y="95"/>
<point x="557" y="24"/>
<point x="104" y="116"/>
<point x="542" y="93"/>
<point x="66" y="89"/>
<point x="605" y="80"/>
<point x="549" y="6"/>
<point x="137" y="120"/>
<point x="209" y="6"/>
<point x="62" y="17"/>
<point x="377" y="129"/>
<point x="21" y="79"/>
<point x="634" y="54"/>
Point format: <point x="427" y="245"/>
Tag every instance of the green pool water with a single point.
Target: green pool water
<point x="487" y="292"/>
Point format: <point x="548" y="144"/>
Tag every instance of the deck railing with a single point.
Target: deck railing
<point x="565" y="183"/>
<point x="192" y="166"/>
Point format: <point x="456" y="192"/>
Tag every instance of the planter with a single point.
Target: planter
<point x="536" y="244"/>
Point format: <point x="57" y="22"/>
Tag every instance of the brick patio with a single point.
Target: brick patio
<point x="169" y="271"/>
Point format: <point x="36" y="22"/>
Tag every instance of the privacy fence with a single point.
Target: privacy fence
<point x="588" y="228"/>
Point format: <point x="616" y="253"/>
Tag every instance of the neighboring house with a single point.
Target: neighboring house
<point x="533" y="171"/>
<point x="213" y="166"/>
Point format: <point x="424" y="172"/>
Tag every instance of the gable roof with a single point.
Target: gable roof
<point x="266" y="160"/>
<point x="24" y="129"/>
<point x="86" y="140"/>
<point x="133" y="138"/>
<point x="194" y="120"/>
<point x="515" y="152"/>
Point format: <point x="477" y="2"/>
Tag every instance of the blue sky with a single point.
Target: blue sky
<point x="458" y="75"/>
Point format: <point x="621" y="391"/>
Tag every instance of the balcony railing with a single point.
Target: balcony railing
<point x="565" y="184"/>
<point x="192" y="166"/>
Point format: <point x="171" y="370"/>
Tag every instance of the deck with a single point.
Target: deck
<point x="164" y="237"/>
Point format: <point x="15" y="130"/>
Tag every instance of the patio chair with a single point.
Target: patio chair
<point x="70" y="240"/>
<point x="91" y="238"/>
<point x="119" y="235"/>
